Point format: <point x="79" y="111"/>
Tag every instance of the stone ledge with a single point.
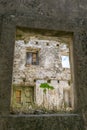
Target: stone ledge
<point x="42" y="122"/>
<point x="40" y="115"/>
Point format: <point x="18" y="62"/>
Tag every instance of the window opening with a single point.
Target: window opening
<point x="18" y="96"/>
<point x="32" y="58"/>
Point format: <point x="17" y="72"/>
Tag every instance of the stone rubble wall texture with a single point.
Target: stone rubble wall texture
<point x="60" y="15"/>
<point x="53" y="122"/>
<point x="49" y="68"/>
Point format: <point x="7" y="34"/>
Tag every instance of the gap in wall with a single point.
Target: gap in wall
<point x="42" y="57"/>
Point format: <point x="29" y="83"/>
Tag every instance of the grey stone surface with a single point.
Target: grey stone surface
<point x="60" y="15"/>
<point x="42" y="122"/>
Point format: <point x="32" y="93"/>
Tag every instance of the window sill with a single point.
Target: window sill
<point x="30" y="65"/>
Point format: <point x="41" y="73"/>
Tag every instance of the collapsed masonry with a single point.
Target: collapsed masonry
<point x="41" y="61"/>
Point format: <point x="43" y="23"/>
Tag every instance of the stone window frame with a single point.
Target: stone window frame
<point x="29" y="55"/>
<point x="9" y="28"/>
<point x="24" y="91"/>
<point x="32" y="50"/>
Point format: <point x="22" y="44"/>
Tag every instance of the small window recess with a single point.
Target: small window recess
<point x="36" y="43"/>
<point x="47" y="43"/>
<point x="57" y="45"/>
<point x="32" y="58"/>
<point x="58" y="81"/>
<point x="49" y="81"/>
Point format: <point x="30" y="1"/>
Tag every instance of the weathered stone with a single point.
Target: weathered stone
<point x="61" y="15"/>
<point x="50" y="65"/>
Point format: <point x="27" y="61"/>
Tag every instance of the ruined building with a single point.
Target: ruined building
<point x="52" y="51"/>
<point x="42" y="59"/>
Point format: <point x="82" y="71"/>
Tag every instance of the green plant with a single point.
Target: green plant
<point x="46" y="86"/>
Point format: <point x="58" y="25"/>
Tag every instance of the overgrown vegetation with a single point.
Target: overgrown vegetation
<point x="46" y="86"/>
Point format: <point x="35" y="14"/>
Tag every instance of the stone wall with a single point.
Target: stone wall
<point x="51" y="69"/>
<point x="64" y="16"/>
<point x="42" y="122"/>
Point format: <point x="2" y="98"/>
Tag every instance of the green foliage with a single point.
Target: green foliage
<point x="46" y="86"/>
